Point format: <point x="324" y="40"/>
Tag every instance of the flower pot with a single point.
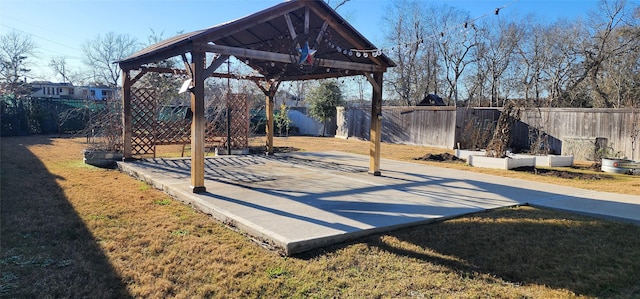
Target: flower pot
<point x="620" y="166"/>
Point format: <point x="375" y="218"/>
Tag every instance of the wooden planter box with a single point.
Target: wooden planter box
<point x="550" y="160"/>
<point x="500" y="163"/>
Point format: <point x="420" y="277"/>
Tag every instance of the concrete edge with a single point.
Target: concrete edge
<point x="590" y="214"/>
<point x="232" y="221"/>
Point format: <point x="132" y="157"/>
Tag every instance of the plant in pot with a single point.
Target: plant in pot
<point x="104" y="136"/>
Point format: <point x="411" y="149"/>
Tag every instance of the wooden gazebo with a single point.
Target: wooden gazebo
<point x="294" y="40"/>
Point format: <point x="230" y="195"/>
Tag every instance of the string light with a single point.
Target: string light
<point x="377" y="52"/>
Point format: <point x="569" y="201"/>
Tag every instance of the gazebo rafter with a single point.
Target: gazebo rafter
<point x="274" y="43"/>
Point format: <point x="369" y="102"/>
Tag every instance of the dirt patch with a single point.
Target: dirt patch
<point x="564" y="174"/>
<point x="444" y="157"/>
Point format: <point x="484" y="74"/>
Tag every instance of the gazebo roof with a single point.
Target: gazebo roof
<point x="271" y="42"/>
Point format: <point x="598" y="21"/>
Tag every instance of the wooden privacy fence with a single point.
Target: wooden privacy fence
<point x="570" y="131"/>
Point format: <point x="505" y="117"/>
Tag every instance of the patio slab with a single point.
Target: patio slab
<point x="300" y="201"/>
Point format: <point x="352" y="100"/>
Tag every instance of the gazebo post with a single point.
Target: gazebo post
<point x="375" y="131"/>
<point x="198" y="122"/>
<point x="270" y="94"/>
<point x="127" y="127"/>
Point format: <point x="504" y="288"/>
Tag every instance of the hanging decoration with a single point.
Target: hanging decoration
<point x="306" y="54"/>
<point x="303" y="53"/>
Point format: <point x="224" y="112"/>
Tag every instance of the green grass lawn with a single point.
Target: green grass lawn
<point x="72" y="230"/>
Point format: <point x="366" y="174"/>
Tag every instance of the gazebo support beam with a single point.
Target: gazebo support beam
<point x="198" y="122"/>
<point x="375" y="131"/>
<point x="127" y="125"/>
<point x="270" y="94"/>
<point x="286" y="58"/>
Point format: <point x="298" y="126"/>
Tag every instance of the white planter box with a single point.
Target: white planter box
<point x="500" y="163"/>
<point x="464" y="154"/>
<point x="560" y="161"/>
<point x="550" y="160"/>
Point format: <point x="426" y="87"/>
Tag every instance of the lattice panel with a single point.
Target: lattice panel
<point x="239" y="121"/>
<point x="143" y="112"/>
<point x="155" y="124"/>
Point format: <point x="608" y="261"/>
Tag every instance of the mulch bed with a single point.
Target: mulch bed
<point x="563" y="173"/>
<point x="446" y="157"/>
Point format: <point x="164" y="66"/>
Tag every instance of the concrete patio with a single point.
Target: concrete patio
<point x="300" y="201"/>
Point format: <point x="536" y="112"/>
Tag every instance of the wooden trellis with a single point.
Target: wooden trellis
<point x="143" y="112"/>
<point x="155" y="124"/>
<point x="239" y="121"/>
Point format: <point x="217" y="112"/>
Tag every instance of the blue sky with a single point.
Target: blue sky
<point x="60" y="27"/>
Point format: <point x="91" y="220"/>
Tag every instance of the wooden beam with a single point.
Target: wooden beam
<point x="163" y="70"/>
<point x="250" y="21"/>
<point x="306" y="20"/>
<point x="348" y="36"/>
<point x="197" y="123"/>
<point x="184" y="72"/>
<point x="321" y="33"/>
<point x="127" y="119"/>
<point x="270" y="102"/>
<point x="270" y="93"/>
<point x="292" y="31"/>
<point x="265" y="90"/>
<point x="237" y="77"/>
<point x="375" y="131"/>
<point x="304" y="77"/>
<point x="371" y="78"/>
<point x="286" y="58"/>
<point x="215" y="64"/>
<point x="137" y="77"/>
<point x="187" y="65"/>
<point x="176" y="50"/>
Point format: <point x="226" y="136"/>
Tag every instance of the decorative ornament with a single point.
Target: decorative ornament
<point x="303" y="53"/>
<point x="306" y="54"/>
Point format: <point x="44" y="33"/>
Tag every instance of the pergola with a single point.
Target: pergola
<point x="291" y="41"/>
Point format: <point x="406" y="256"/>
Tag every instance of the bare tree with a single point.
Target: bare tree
<point x="612" y="53"/>
<point x="15" y="50"/>
<point x="60" y="67"/>
<point x="407" y="31"/>
<point x="165" y="86"/>
<point x="455" y="47"/>
<point x="600" y="44"/>
<point x="498" y="52"/>
<point x="101" y="53"/>
<point x="340" y="3"/>
<point x="562" y="42"/>
<point x="531" y="61"/>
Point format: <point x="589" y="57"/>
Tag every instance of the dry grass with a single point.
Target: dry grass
<point x="71" y="230"/>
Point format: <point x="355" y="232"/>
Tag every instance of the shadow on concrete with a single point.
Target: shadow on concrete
<point x="46" y="249"/>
